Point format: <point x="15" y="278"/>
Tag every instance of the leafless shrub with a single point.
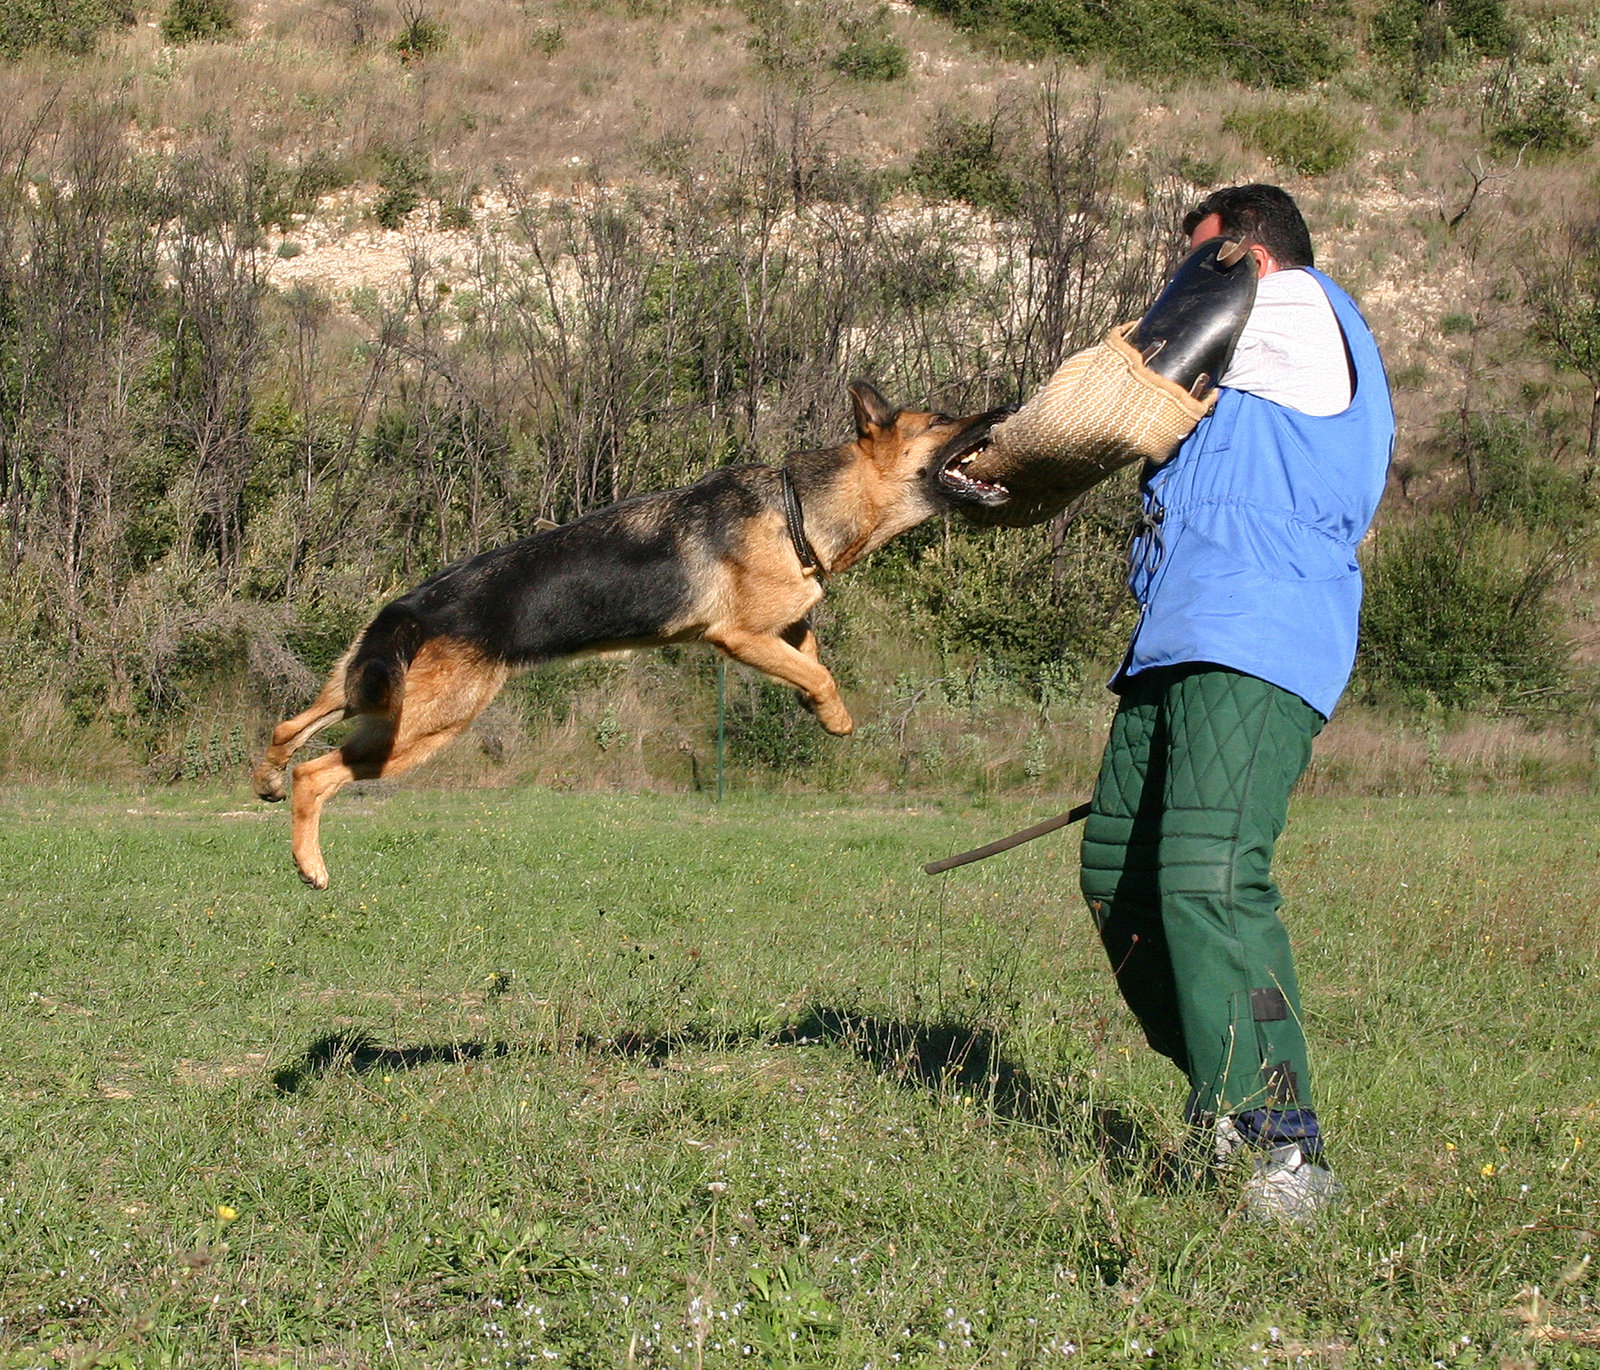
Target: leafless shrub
<point x="77" y="288"/>
<point x="356" y="20"/>
<point x="1563" y="292"/>
<point x="1089" y="258"/>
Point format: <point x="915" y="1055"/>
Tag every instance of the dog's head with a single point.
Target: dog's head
<point x="884" y="480"/>
<point x="913" y="450"/>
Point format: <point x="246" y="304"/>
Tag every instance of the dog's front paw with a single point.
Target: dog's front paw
<point x="267" y="781"/>
<point x="835" y="718"/>
<point x="315" y="875"/>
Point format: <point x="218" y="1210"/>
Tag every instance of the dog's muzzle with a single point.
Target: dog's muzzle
<point x="951" y="463"/>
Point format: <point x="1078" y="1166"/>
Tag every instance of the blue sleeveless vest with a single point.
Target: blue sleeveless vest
<point x="1246" y="557"/>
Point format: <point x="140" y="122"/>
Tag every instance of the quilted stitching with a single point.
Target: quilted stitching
<point x="1121" y="836"/>
<point x="1192" y="795"/>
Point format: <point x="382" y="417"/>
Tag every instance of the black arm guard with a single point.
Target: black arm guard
<point x="1189" y="333"/>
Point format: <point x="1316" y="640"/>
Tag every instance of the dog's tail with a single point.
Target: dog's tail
<point x="374" y="679"/>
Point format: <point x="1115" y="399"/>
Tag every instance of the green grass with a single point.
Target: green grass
<point x="600" y="1080"/>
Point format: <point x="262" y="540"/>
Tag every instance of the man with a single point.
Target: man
<point x="1249" y="594"/>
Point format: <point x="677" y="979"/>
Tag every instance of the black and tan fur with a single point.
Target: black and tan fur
<point x="712" y="562"/>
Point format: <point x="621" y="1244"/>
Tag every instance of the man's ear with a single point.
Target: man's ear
<point x="872" y="410"/>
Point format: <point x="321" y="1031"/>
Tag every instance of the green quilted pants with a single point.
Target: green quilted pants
<point x="1177" y="869"/>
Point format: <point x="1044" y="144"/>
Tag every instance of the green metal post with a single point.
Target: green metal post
<point x="722" y="675"/>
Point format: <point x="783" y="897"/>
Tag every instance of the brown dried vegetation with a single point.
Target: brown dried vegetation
<point x="636" y="241"/>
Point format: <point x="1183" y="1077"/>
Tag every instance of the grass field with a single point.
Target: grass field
<point x="596" y="1080"/>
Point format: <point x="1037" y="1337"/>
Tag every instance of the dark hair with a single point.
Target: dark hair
<point x="1263" y="214"/>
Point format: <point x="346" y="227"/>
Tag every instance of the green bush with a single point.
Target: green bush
<point x="65" y="25"/>
<point x="193" y="21"/>
<point x="1483" y="23"/>
<point x="964" y="161"/>
<point x="282" y="192"/>
<point x="1281" y="43"/>
<point x="1425" y="34"/>
<point x="1546" y="124"/>
<point x="457" y="215"/>
<point x="404" y="177"/>
<point x="768" y="726"/>
<point x="422" y="36"/>
<point x="1460" y="612"/>
<point x="547" y="39"/>
<point x="873" y="59"/>
<point x="805" y="36"/>
<point x="1459" y="604"/>
<point x="1303" y="140"/>
<point x="1029" y="604"/>
<point x="322" y="632"/>
<point x="1410" y="32"/>
<point x="1512" y="481"/>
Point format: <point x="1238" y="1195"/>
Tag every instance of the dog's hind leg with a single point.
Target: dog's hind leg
<point x="792" y="665"/>
<point x="447" y="686"/>
<point x="316" y="782"/>
<point x="293" y="733"/>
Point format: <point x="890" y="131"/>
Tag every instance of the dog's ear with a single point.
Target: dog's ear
<point x="873" y="412"/>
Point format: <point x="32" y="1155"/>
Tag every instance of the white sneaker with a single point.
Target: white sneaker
<point x="1286" y="1187"/>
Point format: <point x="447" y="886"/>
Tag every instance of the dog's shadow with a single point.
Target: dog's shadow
<point x="951" y="1059"/>
<point x="353" y="1050"/>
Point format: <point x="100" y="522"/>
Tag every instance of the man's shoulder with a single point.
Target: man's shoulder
<point x="1292" y="283"/>
<point x="1292" y="350"/>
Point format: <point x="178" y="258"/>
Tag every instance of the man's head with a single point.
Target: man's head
<point x="1266" y="217"/>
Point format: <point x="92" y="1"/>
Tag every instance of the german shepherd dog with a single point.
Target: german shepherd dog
<point x="737" y="560"/>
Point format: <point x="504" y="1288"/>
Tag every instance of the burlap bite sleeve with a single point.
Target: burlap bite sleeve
<point x="1100" y="411"/>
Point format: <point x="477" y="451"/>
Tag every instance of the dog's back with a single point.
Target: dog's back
<point x="630" y="574"/>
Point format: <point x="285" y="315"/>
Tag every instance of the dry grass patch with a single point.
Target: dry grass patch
<point x="216" y="1072"/>
<point x="1362" y="752"/>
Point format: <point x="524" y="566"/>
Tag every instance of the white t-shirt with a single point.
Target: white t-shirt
<point x="1291" y="350"/>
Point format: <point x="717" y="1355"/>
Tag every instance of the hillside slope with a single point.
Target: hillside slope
<point x="378" y="285"/>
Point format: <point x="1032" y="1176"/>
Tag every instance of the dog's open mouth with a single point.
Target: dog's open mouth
<point x="953" y="465"/>
<point x="969" y="489"/>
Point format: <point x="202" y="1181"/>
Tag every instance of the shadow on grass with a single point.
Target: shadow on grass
<point x="354" y="1051"/>
<point x="963" y="1060"/>
<point x="947" y="1058"/>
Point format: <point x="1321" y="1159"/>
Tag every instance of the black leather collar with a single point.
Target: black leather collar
<point x="795" y="517"/>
